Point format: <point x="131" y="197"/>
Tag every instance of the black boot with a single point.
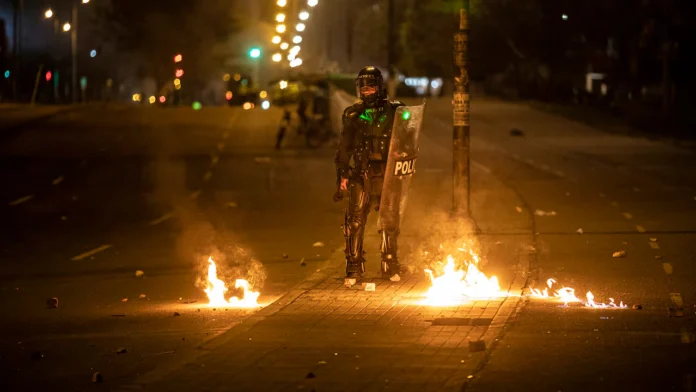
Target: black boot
<point x="390" y="268"/>
<point x="354" y="267"/>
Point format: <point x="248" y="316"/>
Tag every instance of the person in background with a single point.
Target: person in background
<point x="284" y="125"/>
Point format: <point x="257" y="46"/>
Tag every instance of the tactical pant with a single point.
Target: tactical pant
<point x="365" y="193"/>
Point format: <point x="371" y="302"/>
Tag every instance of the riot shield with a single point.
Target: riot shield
<point x="401" y="165"/>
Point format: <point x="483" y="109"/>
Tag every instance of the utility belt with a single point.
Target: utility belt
<point x="371" y="173"/>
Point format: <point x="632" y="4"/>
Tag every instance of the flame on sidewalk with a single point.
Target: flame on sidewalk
<point x="216" y="290"/>
<point x="456" y="285"/>
<point x="567" y="295"/>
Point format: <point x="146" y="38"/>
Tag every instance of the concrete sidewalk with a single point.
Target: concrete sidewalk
<point x="323" y="336"/>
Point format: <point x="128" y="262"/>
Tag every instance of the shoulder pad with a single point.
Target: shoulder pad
<point x="353" y="110"/>
<point x="396" y="103"/>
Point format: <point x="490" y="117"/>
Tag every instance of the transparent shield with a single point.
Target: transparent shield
<point x="401" y="165"/>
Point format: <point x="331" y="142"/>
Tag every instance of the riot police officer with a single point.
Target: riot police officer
<point x="366" y="136"/>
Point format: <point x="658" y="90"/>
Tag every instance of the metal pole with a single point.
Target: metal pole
<point x="73" y="48"/>
<point x="460" y="103"/>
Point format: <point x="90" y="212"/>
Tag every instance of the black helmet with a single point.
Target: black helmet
<point x="369" y="77"/>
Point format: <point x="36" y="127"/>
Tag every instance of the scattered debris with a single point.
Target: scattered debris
<point x="687" y="337"/>
<point x="141" y="296"/>
<point x="321" y="362"/>
<point x="676" y="312"/>
<point x="52" y="302"/>
<point x="97" y="377"/>
<point x="191" y="302"/>
<point x="395" y="278"/>
<point x="530" y="249"/>
<point x="177" y="314"/>
<point x="653" y="239"/>
<point x="124" y="299"/>
<point x="37" y="356"/>
<point x="518" y="208"/>
<point x="348" y="282"/>
<point x="544" y="213"/>
<point x="232" y="205"/>
<point x="658" y="257"/>
<point x="121" y="350"/>
<point x="303" y="263"/>
<point x="516" y="132"/>
<point x="310" y="375"/>
<point x="580" y="231"/>
<point x="368" y="286"/>
<point x="477" y="346"/>
<point x="619" y="254"/>
<point x="637" y="307"/>
<point x="262" y="160"/>
<point x="285" y="255"/>
<point x="318" y="244"/>
<point x="139" y="274"/>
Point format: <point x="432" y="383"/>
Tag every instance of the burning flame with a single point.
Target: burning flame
<point x="567" y="295"/>
<point x="216" y="290"/>
<point x="456" y="285"/>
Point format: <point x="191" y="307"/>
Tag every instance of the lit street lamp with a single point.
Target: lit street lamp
<point x="312" y="3"/>
<point x="66" y="27"/>
<point x="48" y="13"/>
<point x="280" y="28"/>
<point x="304" y="15"/>
<point x="300" y="27"/>
<point x="296" y="39"/>
<point x="282" y="3"/>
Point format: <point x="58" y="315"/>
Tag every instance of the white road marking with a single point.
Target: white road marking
<point x="21" y="200"/>
<point x="91" y="252"/>
<point x="654" y="245"/>
<point x="194" y="195"/>
<point x="482" y="167"/>
<point x="640" y="228"/>
<point x="161" y="219"/>
<point x="58" y="180"/>
<point x="207" y="175"/>
<point x="627" y="215"/>
<point x="668" y="268"/>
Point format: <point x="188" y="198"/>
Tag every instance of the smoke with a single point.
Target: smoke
<point x="202" y="233"/>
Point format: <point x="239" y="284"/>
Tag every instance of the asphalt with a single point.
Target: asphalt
<point x="124" y="170"/>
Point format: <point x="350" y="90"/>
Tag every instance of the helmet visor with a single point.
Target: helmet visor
<point x="367" y="87"/>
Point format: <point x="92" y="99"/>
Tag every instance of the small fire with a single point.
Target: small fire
<point x="567" y="295"/>
<point x="457" y="285"/>
<point x="216" y="291"/>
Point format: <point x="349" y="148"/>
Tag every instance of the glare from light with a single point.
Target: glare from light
<point x="296" y="62"/>
<point x="48" y="13"/>
<point x="291" y="56"/>
<point x="136" y="97"/>
<point x="295" y="49"/>
<point x="178" y="58"/>
<point x="228" y="95"/>
<point x="247" y="105"/>
<point x="66" y="27"/>
<point x="280" y="28"/>
<point x="300" y="27"/>
<point x="277" y="57"/>
<point x="237" y="77"/>
<point x="296" y="39"/>
<point x="263" y="94"/>
<point x="152" y="99"/>
<point x="312" y="3"/>
<point x="85" y="1"/>
<point x="177" y="82"/>
<point x="276" y="40"/>
<point x="177" y="87"/>
<point x="280" y="18"/>
<point x="162" y="99"/>
<point x="304" y="15"/>
<point x="226" y="78"/>
<point x="564" y="17"/>
<point x="196" y="105"/>
<point x="284" y="45"/>
<point x="93" y="53"/>
<point x="179" y="73"/>
<point x="282" y="3"/>
<point x="265" y="105"/>
<point x="255" y="53"/>
<point x="283" y="84"/>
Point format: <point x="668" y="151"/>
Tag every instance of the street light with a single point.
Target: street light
<point x="255" y="53"/>
<point x="312" y="3"/>
<point x="276" y="40"/>
<point x="280" y="28"/>
<point x="284" y="45"/>
<point x="92" y="53"/>
<point x="300" y="27"/>
<point x="277" y="57"/>
<point x="48" y="13"/>
<point x="85" y="1"/>
<point x="66" y="27"/>
<point x="280" y="18"/>
<point x="282" y="3"/>
<point x="296" y="62"/>
<point x="296" y="39"/>
<point x="304" y="15"/>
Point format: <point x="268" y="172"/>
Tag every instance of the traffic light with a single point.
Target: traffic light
<point x="255" y="53"/>
<point x="49" y="76"/>
<point x="178" y="58"/>
<point x="179" y="73"/>
<point x="7" y="74"/>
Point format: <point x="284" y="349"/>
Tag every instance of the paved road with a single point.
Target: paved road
<point x="120" y="173"/>
<point x="162" y="189"/>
